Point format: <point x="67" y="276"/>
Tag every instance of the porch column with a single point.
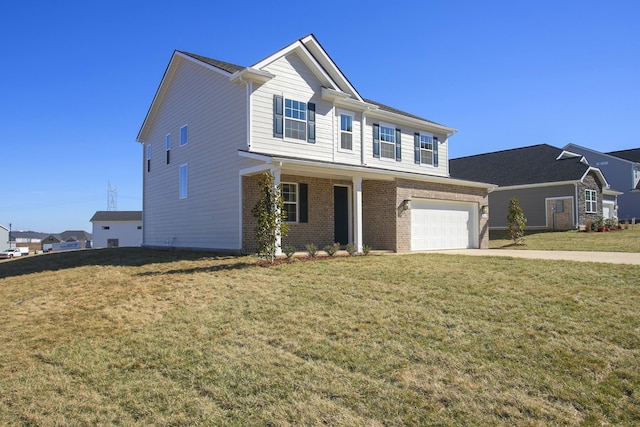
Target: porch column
<point x="276" y="181"/>
<point x="357" y="212"/>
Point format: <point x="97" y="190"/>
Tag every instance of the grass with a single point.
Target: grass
<point x="140" y="337"/>
<point x="612" y="241"/>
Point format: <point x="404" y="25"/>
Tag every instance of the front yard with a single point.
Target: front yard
<point x="612" y="241"/>
<point x="139" y="337"/>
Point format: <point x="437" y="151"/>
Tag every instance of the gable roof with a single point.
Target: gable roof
<point x="633" y="155"/>
<point x="537" y="164"/>
<point x="117" y="216"/>
<point x="311" y="52"/>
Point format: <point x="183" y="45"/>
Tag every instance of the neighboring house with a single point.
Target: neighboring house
<point x="622" y="169"/>
<point x="4" y="238"/>
<point x="352" y="170"/>
<point x="27" y="236"/>
<point x="67" y="240"/>
<point x="112" y="229"/>
<point x="556" y="189"/>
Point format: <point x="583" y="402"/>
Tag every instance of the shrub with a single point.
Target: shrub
<point x="289" y="250"/>
<point x="332" y="249"/>
<point x="271" y="217"/>
<point x="366" y="249"/>
<point x="516" y="221"/>
<point x="312" y="250"/>
<point x="351" y="249"/>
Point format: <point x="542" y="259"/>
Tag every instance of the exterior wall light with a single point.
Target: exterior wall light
<point x="406" y="205"/>
<point x="484" y="210"/>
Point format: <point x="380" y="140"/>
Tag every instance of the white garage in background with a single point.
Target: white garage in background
<point x="438" y="224"/>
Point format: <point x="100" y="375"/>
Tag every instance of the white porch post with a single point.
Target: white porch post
<point x="357" y="212"/>
<point x="276" y="181"/>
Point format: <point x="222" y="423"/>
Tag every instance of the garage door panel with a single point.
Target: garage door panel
<point x="443" y="225"/>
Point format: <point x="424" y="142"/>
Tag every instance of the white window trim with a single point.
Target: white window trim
<point x="393" y="127"/>
<point x="589" y="202"/>
<point x="186" y="127"/>
<point x="285" y="118"/>
<point x="428" y="165"/>
<point x="353" y="133"/>
<point x="184" y="167"/>
<point x="297" y="202"/>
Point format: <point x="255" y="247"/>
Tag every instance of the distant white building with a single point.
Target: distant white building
<point x="4" y="238"/>
<point x="113" y="229"/>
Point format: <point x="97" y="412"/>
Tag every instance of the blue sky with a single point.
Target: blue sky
<point x="77" y="78"/>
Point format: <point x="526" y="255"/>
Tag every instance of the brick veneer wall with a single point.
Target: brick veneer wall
<point x="379" y="214"/>
<point x="408" y="190"/>
<point x="319" y="229"/>
<point x="590" y="182"/>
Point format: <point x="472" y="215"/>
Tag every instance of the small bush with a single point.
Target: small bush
<point x="366" y="249"/>
<point x="312" y="250"/>
<point x="332" y="249"/>
<point x="351" y="249"/>
<point x="289" y="250"/>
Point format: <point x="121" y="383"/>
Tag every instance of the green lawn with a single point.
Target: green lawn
<point x="613" y="241"/>
<point x="141" y="337"/>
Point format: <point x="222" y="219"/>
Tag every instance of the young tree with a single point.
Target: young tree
<point x="271" y="217"/>
<point x="516" y="221"/>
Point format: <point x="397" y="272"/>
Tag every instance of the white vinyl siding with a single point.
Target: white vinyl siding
<point x="294" y="81"/>
<point x="215" y="109"/>
<point x="128" y="233"/>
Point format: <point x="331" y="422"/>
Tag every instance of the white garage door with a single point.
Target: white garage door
<point x="439" y="224"/>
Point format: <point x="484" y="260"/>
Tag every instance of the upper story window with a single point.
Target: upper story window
<point x="182" y="181"/>
<point x="346" y="131"/>
<point x="386" y="142"/>
<point x="294" y="119"/>
<point x="290" y="197"/>
<point x="149" y="158"/>
<point x="168" y="148"/>
<point x="184" y="135"/>
<point x="426" y="148"/>
<point x="590" y="197"/>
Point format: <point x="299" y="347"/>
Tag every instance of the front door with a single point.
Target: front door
<point x="341" y="214"/>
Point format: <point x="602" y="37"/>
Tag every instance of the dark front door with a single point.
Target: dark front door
<point x="341" y="215"/>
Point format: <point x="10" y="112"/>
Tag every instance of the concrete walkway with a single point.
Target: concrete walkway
<point x="606" y="257"/>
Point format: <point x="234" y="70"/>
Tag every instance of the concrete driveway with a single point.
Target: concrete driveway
<point x="606" y="257"/>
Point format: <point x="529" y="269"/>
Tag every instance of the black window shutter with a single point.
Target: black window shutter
<point x="416" y="147"/>
<point x="398" y="146"/>
<point x="376" y="140"/>
<point x="277" y="116"/>
<point x="303" y="200"/>
<point x="311" y="122"/>
<point x="435" y="151"/>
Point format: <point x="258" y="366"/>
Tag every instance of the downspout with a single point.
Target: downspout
<point x="362" y="125"/>
<point x="577" y="206"/>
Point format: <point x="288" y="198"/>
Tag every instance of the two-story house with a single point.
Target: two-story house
<point x="622" y="169"/>
<point x="352" y="170"/>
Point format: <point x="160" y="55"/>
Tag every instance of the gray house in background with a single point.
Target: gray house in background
<point x="556" y="189"/>
<point x="622" y="169"/>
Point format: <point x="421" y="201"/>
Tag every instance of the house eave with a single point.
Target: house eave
<point x="251" y="74"/>
<point x="348" y="171"/>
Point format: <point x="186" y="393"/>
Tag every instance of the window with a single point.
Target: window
<point x="184" y="169"/>
<point x="139" y="227"/>
<point x="184" y="135"/>
<point x="168" y="148"/>
<point x="426" y="149"/>
<point x="591" y="201"/>
<point x="346" y="132"/>
<point x="387" y="142"/>
<point x="290" y="197"/>
<point x="105" y="227"/>
<point x="148" y="158"/>
<point x="299" y="119"/>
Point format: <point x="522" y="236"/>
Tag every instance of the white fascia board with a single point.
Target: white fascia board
<point x="322" y="56"/>
<point x="598" y="172"/>
<point x="251" y="74"/>
<point x="411" y="121"/>
<point x="365" y="172"/>
<point x="537" y="185"/>
<point x="610" y="192"/>
<point x="168" y="73"/>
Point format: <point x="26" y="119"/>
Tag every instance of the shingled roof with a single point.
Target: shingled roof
<point x="117" y="216"/>
<point x="536" y="164"/>
<point x="632" y="155"/>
